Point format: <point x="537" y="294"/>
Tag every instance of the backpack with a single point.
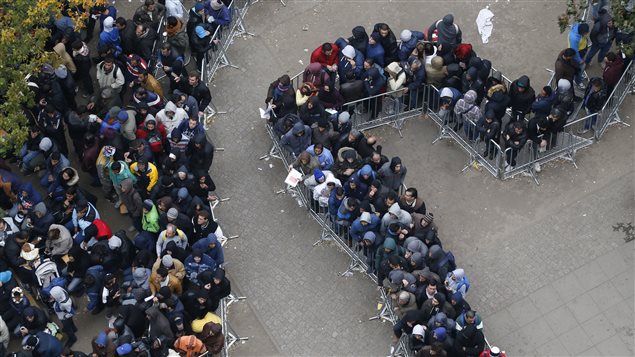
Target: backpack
<point x="156" y="142"/>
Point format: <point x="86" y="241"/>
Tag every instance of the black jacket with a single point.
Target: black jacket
<point x="200" y="92"/>
<point x="521" y="101"/>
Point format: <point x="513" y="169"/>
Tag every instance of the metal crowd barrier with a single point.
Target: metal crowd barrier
<point x="231" y="337"/>
<point x="609" y="114"/>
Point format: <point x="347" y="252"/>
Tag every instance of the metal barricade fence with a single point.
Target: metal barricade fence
<point x="609" y="114"/>
<point x="231" y="337"/>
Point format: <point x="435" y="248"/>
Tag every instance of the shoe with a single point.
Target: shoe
<point x="491" y="156"/>
<point x="508" y="168"/>
<point x="581" y="86"/>
<point x="537" y="167"/>
<point x="117" y="204"/>
<point x="484" y="153"/>
<point x="582" y="131"/>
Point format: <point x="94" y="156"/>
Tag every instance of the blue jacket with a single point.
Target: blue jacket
<point x="325" y="158"/>
<point x="334" y="203"/>
<point x="406" y="48"/>
<point x="48" y="345"/>
<point x="193" y="269"/>
<point x="215" y="253"/>
<point x="358" y="230"/>
<point x="374" y="82"/>
<point x="542" y="105"/>
<point x="222" y="17"/>
<point x="344" y="65"/>
<point x="376" y="52"/>
<point x="297" y="144"/>
<point x="576" y="41"/>
<point x="109" y="38"/>
<point x="94" y="292"/>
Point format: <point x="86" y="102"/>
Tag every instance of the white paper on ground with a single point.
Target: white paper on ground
<point x="484" y="24"/>
<point x="293" y="178"/>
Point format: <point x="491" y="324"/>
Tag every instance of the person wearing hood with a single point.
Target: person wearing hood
<point x="171" y="116"/>
<point x="42" y="344"/>
<point x="359" y="40"/>
<point x="488" y="128"/>
<point x="564" y="97"/>
<point x="109" y="36"/>
<point x="314" y="74"/>
<point x="67" y="178"/>
<point x="435" y="305"/>
<point x="212" y="247"/>
<point x="201" y="42"/>
<point x="350" y="59"/>
<point x="406" y="324"/>
<point x="182" y="199"/>
<point x="437" y="261"/>
<point x="409" y="40"/>
<point x="33" y="321"/>
<point x="63" y="307"/>
<point x="468" y="114"/>
<point x="59" y="241"/>
<point x="456" y="281"/>
<point x="154" y="133"/>
<point x="217" y="13"/>
<point x="522" y="96"/>
<point x="441" y="320"/>
<point x="602" y="36"/>
<point x="469" y="342"/>
<point x="613" y="69"/>
<point x="38" y="221"/>
<point x="330" y="97"/>
<point x="436" y="72"/>
<point x="201" y="153"/>
<point x="312" y="111"/>
<point x="386" y="254"/>
<point x="178" y="142"/>
<point x="297" y="139"/>
<point x="374" y="84"/>
<point x="159" y="325"/>
<point x="471" y="81"/>
<point x="392" y="174"/>
<point x="445" y="32"/>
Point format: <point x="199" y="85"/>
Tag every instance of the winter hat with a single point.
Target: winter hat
<point x="114" y="242"/>
<point x="440" y="333"/>
<point x="405" y="36"/>
<point x="140" y="275"/>
<point x="167" y="261"/>
<point x="101" y="339"/>
<point x="564" y="84"/>
<point x="216" y="4"/>
<point x="349" y="51"/>
<point x="173" y="212"/>
<point x="61" y="71"/>
<point x="198" y="7"/>
<point x="495" y="351"/>
<point x="318" y="175"/>
<point x="182" y="194"/>
<point x="200" y="31"/>
<point x="124" y="349"/>
<point x="5" y="276"/>
<point x="109" y="151"/>
<point x="47" y="69"/>
<point x="418" y="330"/>
<point x="108" y="22"/>
<point x="122" y="116"/>
<point x="46" y="144"/>
<point x="343" y="117"/>
<point x="365" y="217"/>
<point x="147" y="204"/>
<point x="428" y="218"/>
<point x="40" y="208"/>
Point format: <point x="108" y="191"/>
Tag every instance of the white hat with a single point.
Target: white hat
<point x="114" y="242"/>
<point x="406" y="35"/>
<point x="349" y="51"/>
<point x="418" y="330"/>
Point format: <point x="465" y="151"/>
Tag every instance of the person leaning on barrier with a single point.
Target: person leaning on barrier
<point x="521" y="96"/>
<point x="515" y="137"/>
<point x="217" y="13"/>
<point x="544" y="101"/>
<point x="593" y="101"/>
<point x="201" y="42"/>
<point x="497" y="101"/>
<point x="564" y="97"/>
<point x="489" y="130"/>
<point x="176" y="34"/>
<point x="612" y="72"/>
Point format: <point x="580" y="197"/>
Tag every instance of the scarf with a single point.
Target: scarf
<point x="280" y="90"/>
<point x="173" y="30"/>
<point x="84" y="51"/>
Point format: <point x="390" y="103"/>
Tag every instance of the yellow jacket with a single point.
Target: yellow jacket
<point x="152" y="174"/>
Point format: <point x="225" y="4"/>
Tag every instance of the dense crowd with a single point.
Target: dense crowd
<point x="362" y="190"/>
<point x="160" y="282"/>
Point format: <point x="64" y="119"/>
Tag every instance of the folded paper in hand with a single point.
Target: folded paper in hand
<point x="293" y="178"/>
<point x="266" y="113"/>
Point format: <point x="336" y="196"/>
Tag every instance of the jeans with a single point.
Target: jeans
<point x="510" y="156"/>
<point x="74" y="285"/>
<point x="590" y="122"/>
<point x="27" y="155"/>
<point x="602" y="48"/>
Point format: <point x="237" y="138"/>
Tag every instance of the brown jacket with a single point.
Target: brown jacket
<point x="564" y="69"/>
<point x="152" y="84"/>
<point x="174" y="284"/>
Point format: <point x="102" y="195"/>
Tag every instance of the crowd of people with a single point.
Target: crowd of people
<point x="160" y="282"/>
<point x="360" y="188"/>
<point x="362" y="191"/>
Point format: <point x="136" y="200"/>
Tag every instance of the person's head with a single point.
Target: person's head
<point x="546" y="91"/>
<point x="568" y="54"/>
<point x="470" y="316"/>
<point x="369" y="63"/>
<point x="109" y="63"/>
<point x="411" y="194"/>
<point x="384" y="30"/>
<point x="318" y="149"/>
<point x="194" y="78"/>
<point x="34" y="131"/>
<point x="55" y="158"/>
<point x="327" y="49"/>
<point x="431" y="289"/>
<point x="596" y="84"/>
<point x="120" y="23"/>
<point x="140" y="30"/>
<point x="170" y="230"/>
<point x="162" y="273"/>
<point x="518" y="127"/>
<point x="166" y="49"/>
<point x="142" y="165"/>
<point x="172" y="21"/>
<point x="150" y="5"/>
<point x="192" y="122"/>
<point x="395" y="164"/>
<point x="202" y="218"/>
<point x="610" y="57"/>
<point x="583" y="29"/>
<point x="68" y="174"/>
<point x="391" y="198"/>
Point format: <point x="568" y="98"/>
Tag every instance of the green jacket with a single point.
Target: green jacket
<point x="150" y="221"/>
<point x="125" y="173"/>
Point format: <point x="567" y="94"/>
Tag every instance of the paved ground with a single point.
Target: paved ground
<point x="549" y="274"/>
<point x="536" y="254"/>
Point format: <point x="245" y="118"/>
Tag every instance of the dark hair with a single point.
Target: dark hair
<point x="149" y="2"/>
<point x="384" y="27"/>
<point x="172" y="21"/>
<point x="569" y="52"/>
<point x="77" y="44"/>
<point x="394" y="227"/>
<point x="339" y="191"/>
<point x="204" y="214"/>
<point x="547" y="90"/>
<point x="162" y="271"/>
<point x="120" y="21"/>
<point x="166" y="46"/>
<point x="326" y="46"/>
<point x="611" y="56"/>
<point x="392" y="195"/>
<point x="195" y="74"/>
<point x="116" y="166"/>
<point x="109" y="59"/>
<point x="55" y="155"/>
<point x="413" y="191"/>
<point x="350" y="75"/>
<point x="394" y="260"/>
<point x="370" y="61"/>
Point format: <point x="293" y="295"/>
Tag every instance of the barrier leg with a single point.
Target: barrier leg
<point x="233" y="299"/>
<point x="383" y="314"/>
<point x="325" y="236"/>
<point x="354" y="266"/>
<point x="231" y="337"/>
<point x="274" y="153"/>
<point x="209" y="113"/>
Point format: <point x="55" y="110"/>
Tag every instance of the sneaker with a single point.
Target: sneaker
<point x="582" y="131"/>
<point x="117" y="204"/>
<point x="508" y="168"/>
<point x="581" y="86"/>
<point x="537" y="167"/>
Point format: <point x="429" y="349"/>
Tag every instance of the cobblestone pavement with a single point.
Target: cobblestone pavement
<point x="530" y="251"/>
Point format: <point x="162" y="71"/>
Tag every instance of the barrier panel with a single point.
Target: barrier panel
<point x="609" y="114"/>
<point x="231" y="337"/>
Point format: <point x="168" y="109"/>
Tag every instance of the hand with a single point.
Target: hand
<point x="131" y="84"/>
<point x="200" y="114"/>
<point x="90" y="106"/>
<point x="177" y="79"/>
<point x="99" y="121"/>
<point x="543" y="143"/>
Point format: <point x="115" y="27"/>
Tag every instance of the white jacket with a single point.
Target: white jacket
<point x="179" y="115"/>
<point x="113" y="80"/>
<point x="173" y="8"/>
<point x="4" y="334"/>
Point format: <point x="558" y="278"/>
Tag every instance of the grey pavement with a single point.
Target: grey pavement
<point x="549" y="275"/>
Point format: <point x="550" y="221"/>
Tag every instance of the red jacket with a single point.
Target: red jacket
<point x="613" y="72"/>
<point x="321" y="58"/>
<point x="103" y="231"/>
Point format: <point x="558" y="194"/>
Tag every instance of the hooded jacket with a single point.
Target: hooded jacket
<point x="215" y="253"/>
<point x="344" y="65"/>
<point x="406" y="47"/>
<point x="358" y="230"/>
<point x="374" y="82"/>
<point x="159" y="324"/>
<point x="448" y="32"/>
<point x="521" y="101"/>
<point x="61" y="245"/>
<point x="397" y="77"/>
<point x="389" y="178"/>
<point x="171" y="123"/>
<point x="294" y="143"/>
<point x="359" y="40"/>
<point x="601" y="32"/>
<point x="401" y="216"/>
<point x="436" y="72"/>
<point x="63" y="306"/>
<point x="192" y="268"/>
<point x="498" y="100"/>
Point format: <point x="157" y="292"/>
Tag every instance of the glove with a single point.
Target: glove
<point x="210" y="19"/>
